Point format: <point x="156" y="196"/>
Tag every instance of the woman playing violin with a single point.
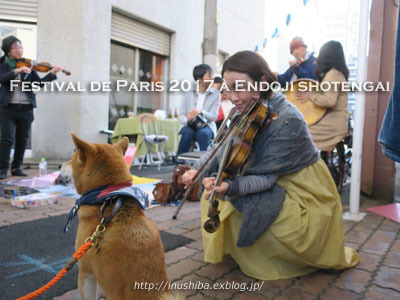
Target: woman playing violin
<point x="280" y="214"/>
<point x="16" y="105"/>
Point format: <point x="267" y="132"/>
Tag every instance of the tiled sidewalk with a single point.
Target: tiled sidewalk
<point x="376" y="239"/>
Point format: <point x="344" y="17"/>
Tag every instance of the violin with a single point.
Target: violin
<point x="218" y="139"/>
<point x="244" y="129"/>
<point x="236" y="153"/>
<point x="39" y="67"/>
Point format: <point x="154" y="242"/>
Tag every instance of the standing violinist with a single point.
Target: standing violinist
<point x="303" y="66"/>
<point x="16" y="105"/>
<point x="280" y="214"/>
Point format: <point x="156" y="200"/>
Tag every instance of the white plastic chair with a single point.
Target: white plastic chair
<point x="148" y="123"/>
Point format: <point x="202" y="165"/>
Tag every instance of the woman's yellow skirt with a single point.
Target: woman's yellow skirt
<point x="307" y="234"/>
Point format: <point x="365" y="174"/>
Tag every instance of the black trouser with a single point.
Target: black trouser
<point x="15" y="123"/>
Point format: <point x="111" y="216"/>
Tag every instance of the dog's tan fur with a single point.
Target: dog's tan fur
<point x="131" y="249"/>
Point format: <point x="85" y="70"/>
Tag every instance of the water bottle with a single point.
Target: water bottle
<point x="42" y="167"/>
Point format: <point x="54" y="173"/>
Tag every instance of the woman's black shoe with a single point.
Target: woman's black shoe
<point x="3" y="174"/>
<point x="18" y="172"/>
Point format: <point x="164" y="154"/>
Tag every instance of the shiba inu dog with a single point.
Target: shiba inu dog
<point x="130" y="256"/>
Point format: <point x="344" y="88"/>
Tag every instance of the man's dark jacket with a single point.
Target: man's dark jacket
<point x="304" y="70"/>
<point x="7" y="74"/>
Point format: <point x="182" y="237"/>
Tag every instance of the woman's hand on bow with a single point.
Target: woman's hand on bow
<point x="187" y="177"/>
<point x="209" y="185"/>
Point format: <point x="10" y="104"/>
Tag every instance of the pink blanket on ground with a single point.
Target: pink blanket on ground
<point x="390" y="211"/>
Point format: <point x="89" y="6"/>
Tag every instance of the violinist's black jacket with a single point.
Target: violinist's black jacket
<point x="7" y="74"/>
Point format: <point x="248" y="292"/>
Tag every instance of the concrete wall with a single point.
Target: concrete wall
<point x="241" y="25"/>
<point x="210" y="41"/>
<point x="186" y="20"/>
<point x="76" y="35"/>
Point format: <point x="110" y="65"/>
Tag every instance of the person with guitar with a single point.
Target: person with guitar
<point x="279" y="214"/>
<point x="303" y="66"/>
<point x="331" y="70"/>
<point x="16" y="105"/>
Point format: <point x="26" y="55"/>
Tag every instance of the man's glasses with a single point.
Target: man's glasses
<point x="17" y="48"/>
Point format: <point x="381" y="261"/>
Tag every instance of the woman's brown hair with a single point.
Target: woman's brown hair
<point x="252" y="64"/>
<point x="331" y="55"/>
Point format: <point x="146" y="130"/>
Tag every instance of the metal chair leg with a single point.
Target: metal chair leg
<point x="142" y="161"/>
<point x="159" y="161"/>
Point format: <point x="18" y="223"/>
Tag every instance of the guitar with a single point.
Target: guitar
<point x="312" y="113"/>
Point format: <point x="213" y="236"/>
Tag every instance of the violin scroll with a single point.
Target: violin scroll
<point x="212" y="224"/>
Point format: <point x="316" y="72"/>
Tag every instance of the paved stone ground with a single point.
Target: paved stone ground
<point x="376" y="239"/>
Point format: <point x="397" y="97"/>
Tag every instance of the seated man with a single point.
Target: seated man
<point x="204" y="100"/>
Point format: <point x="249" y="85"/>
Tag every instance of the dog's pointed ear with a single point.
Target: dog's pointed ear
<point x="122" y="145"/>
<point x="83" y="148"/>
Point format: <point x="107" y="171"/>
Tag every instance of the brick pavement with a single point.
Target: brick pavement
<point x="376" y="239"/>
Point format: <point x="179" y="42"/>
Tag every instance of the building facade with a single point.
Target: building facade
<point x="128" y="40"/>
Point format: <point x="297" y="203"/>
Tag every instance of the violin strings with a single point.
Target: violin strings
<point x="239" y="123"/>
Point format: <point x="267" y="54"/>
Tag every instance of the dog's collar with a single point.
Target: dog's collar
<point x="106" y="192"/>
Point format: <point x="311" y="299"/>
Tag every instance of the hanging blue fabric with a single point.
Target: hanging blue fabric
<point x="305" y="2"/>
<point x="288" y="19"/>
<point x="265" y="43"/>
<point x="276" y="33"/>
<point x="389" y="136"/>
<point x="256" y="48"/>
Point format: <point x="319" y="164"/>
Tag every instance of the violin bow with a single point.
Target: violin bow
<point x="239" y="121"/>
<point x="38" y="54"/>
<point x="187" y="190"/>
<point x="222" y="127"/>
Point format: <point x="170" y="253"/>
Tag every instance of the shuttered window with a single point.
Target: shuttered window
<point x="133" y="32"/>
<point x="19" y="10"/>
